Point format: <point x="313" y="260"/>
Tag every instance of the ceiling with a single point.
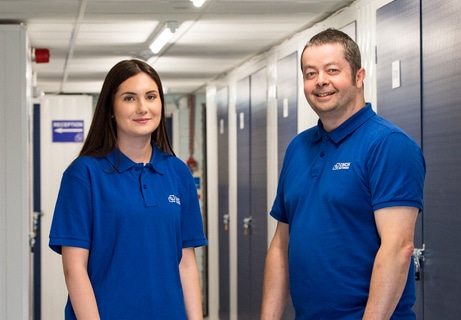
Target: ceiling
<point x="86" y="38"/>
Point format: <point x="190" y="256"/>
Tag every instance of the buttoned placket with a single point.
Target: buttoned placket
<point x="320" y="160"/>
<point x="144" y="184"/>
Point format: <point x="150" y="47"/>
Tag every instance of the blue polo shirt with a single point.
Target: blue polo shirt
<point x="135" y="220"/>
<point x="330" y="185"/>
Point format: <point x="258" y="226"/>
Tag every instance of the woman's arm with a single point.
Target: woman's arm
<point x="75" y="261"/>
<point x="191" y="284"/>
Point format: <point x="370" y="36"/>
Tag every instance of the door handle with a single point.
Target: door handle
<point x="418" y="260"/>
<point x="247" y="225"/>
<point x="33" y="235"/>
<point x="225" y="220"/>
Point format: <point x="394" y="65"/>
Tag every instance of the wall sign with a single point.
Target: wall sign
<point x="67" y="130"/>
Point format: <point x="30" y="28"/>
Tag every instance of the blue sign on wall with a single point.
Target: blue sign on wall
<point x="67" y="130"/>
<point x="197" y="182"/>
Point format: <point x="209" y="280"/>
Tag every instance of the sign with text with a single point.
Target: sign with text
<point x="67" y="130"/>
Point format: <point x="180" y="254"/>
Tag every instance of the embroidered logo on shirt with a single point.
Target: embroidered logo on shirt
<point x="342" y="166"/>
<point x="172" y="198"/>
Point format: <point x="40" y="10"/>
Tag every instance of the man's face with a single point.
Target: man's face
<point x="329" y="86"/>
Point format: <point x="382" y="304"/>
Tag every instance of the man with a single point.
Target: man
<point x="347" y="201"/>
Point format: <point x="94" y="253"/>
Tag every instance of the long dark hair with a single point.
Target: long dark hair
<point x="102" y="136"/>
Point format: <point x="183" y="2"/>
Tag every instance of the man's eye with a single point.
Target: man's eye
<point x="309" y="74"/>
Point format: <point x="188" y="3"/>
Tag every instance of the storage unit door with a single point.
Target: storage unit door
<point x="442" y="147"/>
<point x="223" y="198"/>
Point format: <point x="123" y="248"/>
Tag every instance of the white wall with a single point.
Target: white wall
<point x="15" y="172"/>
<point x="55" y="157"/>
<point x="363" y="12"/>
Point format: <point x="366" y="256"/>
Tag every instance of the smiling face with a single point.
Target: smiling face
<point x="137" y="108"/>
<point x="331" y="89"/>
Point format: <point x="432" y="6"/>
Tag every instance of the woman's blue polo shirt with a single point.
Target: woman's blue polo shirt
<point x="330" y="185"/>
<point x="135" y="220"/>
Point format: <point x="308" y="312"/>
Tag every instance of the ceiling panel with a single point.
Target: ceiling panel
<point x="212" y="40"/>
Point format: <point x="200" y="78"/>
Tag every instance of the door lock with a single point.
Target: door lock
<point x="247" y="225"/>
<point x="225" y="220"/>
<point x="418" y="260"/>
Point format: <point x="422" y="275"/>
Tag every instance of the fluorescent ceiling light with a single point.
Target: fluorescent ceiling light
<point x="162" y="39"/>
<point x="198" y="3"/>
<point x="180" y="31"/>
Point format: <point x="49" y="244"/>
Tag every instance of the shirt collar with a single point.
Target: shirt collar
<point x="346" y="128"/>
<point x="122" y="163"/>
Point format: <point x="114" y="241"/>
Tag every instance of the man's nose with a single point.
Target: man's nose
<point x="322" y="79"/>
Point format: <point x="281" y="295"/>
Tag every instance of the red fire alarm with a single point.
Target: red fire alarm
<point x="41" y="55"/>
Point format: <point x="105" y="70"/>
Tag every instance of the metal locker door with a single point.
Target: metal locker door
<point x="258" y="203"/>
<point x="287" y="119"/>
<point x="442" y="147"/>
<point x="251" y="109"/>
<point x="399" y="84"/>
<point x="242" y="109"/>
<point x="223" y="197"/>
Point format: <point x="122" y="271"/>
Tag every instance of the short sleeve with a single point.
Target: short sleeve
<point x="397" y="171"/>
<point x="72" y="219"/>
<point x="192" y="232"/>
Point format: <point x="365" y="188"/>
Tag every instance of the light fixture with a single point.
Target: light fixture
<point x="165" y="35"/>
<point x="182" y="28"/>
<point x="198" y="3"/>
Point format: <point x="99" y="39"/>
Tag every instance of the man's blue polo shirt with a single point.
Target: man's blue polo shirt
<point x="134" y="220"/>
<point x="330" y="185"/>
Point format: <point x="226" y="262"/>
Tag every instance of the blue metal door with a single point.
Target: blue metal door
<point x="223" y="198"/>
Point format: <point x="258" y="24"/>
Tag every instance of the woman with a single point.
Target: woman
<point x="127" y="217"/>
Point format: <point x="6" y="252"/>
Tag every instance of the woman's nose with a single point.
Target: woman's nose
<point x="142" y="109"/>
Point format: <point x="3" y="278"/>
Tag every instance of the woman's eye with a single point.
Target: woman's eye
<point x="128" y="98"/>
<point x="151" y="97"/>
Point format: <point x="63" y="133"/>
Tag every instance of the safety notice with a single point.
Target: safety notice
<point x="67" y="130"/>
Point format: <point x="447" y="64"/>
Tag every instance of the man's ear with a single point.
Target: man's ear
<point x="360" y="77"/>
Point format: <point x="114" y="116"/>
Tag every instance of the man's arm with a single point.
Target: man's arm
<point x="276" y="283"/>
<point x="390" y="270"/>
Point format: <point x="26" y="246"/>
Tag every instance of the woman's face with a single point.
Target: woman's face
<point x="137" y="108"/>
